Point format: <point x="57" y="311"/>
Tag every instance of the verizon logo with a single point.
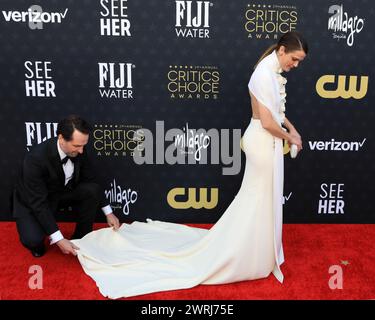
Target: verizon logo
<point x="336" y="145"/>
<point x="286" y="198"/>
<point x="34" y="14"/>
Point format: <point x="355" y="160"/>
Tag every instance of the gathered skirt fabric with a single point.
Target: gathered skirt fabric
<point x="154" y="256"/>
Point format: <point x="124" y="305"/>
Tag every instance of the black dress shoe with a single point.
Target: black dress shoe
<point x="38" y="252"/>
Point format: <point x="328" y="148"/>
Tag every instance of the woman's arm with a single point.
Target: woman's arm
<point x="292" y="130"/>
<point x="272" y="127"/>
<point x="270" y="124"/>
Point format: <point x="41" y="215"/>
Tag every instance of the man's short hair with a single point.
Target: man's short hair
<point x="73" y="122"/>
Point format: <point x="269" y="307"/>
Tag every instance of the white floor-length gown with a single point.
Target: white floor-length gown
<point x="245" y="243"/>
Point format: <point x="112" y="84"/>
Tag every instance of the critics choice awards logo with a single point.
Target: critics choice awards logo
<point x="193" y="82"/>
<point x="113" y="140"/>
<point x="193" y="19"/>
<point x="266" y="21"/>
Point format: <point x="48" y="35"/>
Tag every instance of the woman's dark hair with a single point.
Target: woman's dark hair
<point x="73" y="122"/>
<point x="292" y="41"/>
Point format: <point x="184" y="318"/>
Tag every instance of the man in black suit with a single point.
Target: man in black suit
<point x="58" y="173"/>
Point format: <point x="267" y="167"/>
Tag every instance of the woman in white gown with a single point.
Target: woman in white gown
<point x="245" y="243"/>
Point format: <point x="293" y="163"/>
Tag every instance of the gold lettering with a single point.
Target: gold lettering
<point x="192" y="201"/>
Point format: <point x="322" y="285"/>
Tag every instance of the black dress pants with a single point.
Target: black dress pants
<point x="84" y="200"/>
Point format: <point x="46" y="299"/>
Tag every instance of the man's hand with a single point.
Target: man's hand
<point x="67" y="247"/>
<point x="113" y="221"/>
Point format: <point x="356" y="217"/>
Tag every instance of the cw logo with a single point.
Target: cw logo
<point x="341" y="89"/>
<point x="191" y="201"/>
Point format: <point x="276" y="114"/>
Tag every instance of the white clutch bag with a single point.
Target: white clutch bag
<point x="293" y="151"/>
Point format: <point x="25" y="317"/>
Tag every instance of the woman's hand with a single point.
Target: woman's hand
<point x="295" y="139"/>
<point x="295" y="133"/>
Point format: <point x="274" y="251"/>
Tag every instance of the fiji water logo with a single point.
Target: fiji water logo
<point x="193" y="19"/>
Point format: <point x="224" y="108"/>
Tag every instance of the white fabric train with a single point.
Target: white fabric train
<point x="245" y="244"/>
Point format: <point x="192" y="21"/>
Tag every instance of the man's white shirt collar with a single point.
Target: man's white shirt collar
<point x="61" y="153"/>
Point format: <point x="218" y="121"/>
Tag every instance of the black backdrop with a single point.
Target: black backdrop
<point x="164" y="45"/>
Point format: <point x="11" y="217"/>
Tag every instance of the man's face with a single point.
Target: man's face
<point x="291" y="59"/>
<point x="75" y="146"/>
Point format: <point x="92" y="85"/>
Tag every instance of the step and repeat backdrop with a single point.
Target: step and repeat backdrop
<point x="164" y="85"/>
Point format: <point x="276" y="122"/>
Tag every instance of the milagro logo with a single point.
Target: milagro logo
<point x="120" y="197"/>
<point x="343" y="26"/>
<point x="334" y="145"/>
<point x="193" y="19"/>
<point x="267" y="21"/>
<point x="192" y="142"/>
<point x="34" y="16"/>
<point x="38" y="132"/>
<point x="165" y="146"/>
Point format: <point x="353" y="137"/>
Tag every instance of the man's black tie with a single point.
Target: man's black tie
<point x="73" y="159"/>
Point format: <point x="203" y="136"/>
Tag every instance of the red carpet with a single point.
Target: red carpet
<point x="310" y="250"/>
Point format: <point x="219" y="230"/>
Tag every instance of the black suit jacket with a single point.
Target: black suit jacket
<point x="41" y="177"/>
